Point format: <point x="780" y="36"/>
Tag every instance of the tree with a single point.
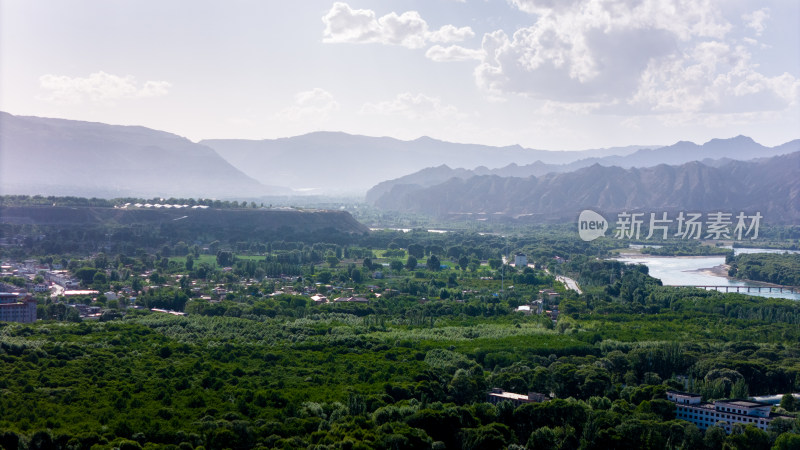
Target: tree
<point x="100" y="261"/>
<point x="433" y="263"/>
<point x="189" y="262"/>
<point x="714" y="438"/>
<point x="367" y="263"/>
<point x="492" y="436"/>
<point x="324" y="277"/>
<point x="787" y="441"/>
<point x="225" y="258"/>
<point x="72" y="315"/>
<point x="543" y="437"/>
<point x="465" y="386"/>
<point x="41" y="440"/>
<point x="86" y="275"/>
<point x="788" y="402"/>
<point x="751" y="439"/>
<point x="495" y="263"/>
<point x="411" y="263"/>
<point x="99" y="280"/>
<point x="396" y="265"/>
<point x="416" y="250"/>
<point x="9" y="440"/>
<point x="356" y="276"/>
<point x="740" y="389"/>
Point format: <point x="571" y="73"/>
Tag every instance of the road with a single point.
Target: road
<point x="569" y="283"/>
<point x="56" y="290"/>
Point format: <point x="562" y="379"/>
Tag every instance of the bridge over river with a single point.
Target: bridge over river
<point x="734" y="288"/>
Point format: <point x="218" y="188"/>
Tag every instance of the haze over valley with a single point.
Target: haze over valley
<point x="99" y="160"/>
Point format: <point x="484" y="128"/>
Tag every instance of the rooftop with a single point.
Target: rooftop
<point x="509" y="395"/>
<point x="743" y="403"/>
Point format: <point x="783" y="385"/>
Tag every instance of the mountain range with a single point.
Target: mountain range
<point x="768" y="185"/>
<point x="715" y="152"/>
<point x="333" y="162"/>
<point x="67" y="157"/>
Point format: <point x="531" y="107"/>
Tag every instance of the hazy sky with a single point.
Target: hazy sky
<point x="551" y="74"/>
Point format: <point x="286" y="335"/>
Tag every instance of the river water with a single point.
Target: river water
<point x="699" y="271"/>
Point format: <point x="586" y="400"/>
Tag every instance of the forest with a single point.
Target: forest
<point x="259" y="361"/>
<point x="777" y="268"/>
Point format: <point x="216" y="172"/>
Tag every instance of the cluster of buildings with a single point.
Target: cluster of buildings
<point x="722" y="413"/>
<point x="688" y="406"/>
<point x="549" y="299"/>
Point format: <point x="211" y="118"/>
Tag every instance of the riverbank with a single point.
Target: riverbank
<point x="698" y="271"/>
<point x="722" y="271"/>
<point x="718" y="271"/>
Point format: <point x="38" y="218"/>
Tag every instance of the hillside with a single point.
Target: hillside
<point x="327" y="162"/>
<point x="67" y="157"/>
<point x="770" y="186"/>
<point x="716" y="152"/>
<point x="195" y="222"/>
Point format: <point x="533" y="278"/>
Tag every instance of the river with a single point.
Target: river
<point x="702" y="271"/>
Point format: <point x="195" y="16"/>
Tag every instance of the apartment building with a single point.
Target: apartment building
<point x="722" y="413"/>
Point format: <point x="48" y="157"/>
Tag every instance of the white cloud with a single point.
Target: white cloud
<point x="413" y="106"/>
<point x="653" y="55"/>
<point x="553" y="107"/>
<point x="449" y="33"/>
<point x="453" y="53"/>
<point x="362" y="26"/>
<point x="316" y="103"/>
<point x="155" y="89"/>
<point x="756" y="19"/>
<point x="713" y="77"/>
<point x="98" y="87"/>
<point x="543" y="6"/>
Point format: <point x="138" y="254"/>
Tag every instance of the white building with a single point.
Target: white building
<point x="520" y="260"/>
<point x="17" y="308"/>
<point x="498" y="395"/>
<point x="722" y="413"/>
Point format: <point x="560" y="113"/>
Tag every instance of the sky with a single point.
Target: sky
<point x="545" y="74"/>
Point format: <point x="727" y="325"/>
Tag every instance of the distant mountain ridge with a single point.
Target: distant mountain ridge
<point x="714" y="152"/>
<point x="770" y="186"/>
<point x="340" y="162"/>
<point x="68" y="157"/>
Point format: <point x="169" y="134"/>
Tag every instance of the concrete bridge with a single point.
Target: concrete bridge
<point x="790" y="289"/>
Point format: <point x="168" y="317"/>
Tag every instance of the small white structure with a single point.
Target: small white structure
<point x="497" y="395"/>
